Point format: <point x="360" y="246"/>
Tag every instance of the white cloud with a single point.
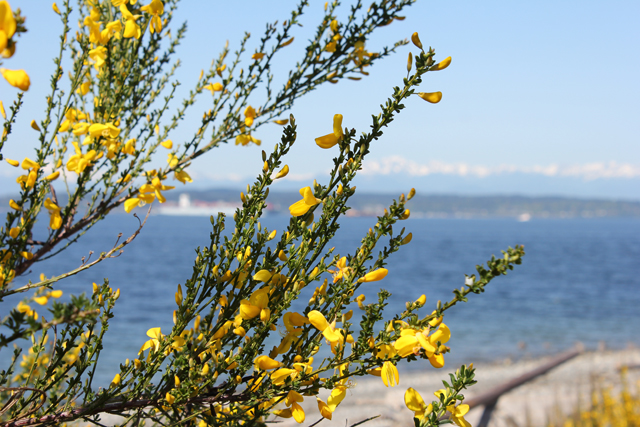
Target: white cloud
<point x="587" y="171"/>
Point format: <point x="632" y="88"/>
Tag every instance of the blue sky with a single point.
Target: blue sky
<point x="541" y="90"/>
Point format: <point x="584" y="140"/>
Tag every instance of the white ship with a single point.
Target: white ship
<point x="525" y="217"/>
<point x="185" y="207"/>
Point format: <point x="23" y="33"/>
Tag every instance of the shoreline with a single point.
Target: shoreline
<point x="531" y="404"/>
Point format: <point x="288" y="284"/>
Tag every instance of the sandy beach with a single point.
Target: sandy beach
<point x="527" y="405"/>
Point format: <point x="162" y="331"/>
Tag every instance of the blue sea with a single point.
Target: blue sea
<point x="579" y="280"/>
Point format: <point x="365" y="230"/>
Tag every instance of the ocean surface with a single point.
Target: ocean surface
<point x="579" y="281"/>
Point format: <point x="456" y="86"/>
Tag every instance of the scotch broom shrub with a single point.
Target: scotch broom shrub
<point x="111" y="113"/>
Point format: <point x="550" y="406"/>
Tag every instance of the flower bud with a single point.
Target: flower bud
<point x="283" y="172"/>
<point x="432" y="97"/>
<point x="441" y="65"/>
<point x="411" y="194"/>
<point x="416" y="40"/>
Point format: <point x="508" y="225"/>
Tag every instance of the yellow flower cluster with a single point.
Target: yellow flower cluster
<point x="148" y="192"/>
<point x="6" y="272"/>
<point x="79" y="124"/>
<point x="245" y="137"/>
<point x="55" y="219"/>
<point x="428" y="341"/>
<point x="28" y="180"/>
<point x="43" y="299"/>
<point x="432" y="97"/>
<point x="421" y="410"/>
<point x="100" y="36"/>
<point x="8" y="26"/>
<point x="335" y="38"/>
<point x="266" y="366"/>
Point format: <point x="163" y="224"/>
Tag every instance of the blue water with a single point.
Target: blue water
<point x="578" y="280"/>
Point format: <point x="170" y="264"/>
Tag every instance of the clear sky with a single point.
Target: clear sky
<point x="541" y="89"/>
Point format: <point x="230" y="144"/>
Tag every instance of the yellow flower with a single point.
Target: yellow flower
<point x="249" y="115"/>
<point x="441" y="65"/>
<point x="437" y="361"/>
<point x="337" y="395"/>
<point x="214" y="87"/>
<point x="414" y="402"/>
<point x="93" y="23"/>
<point x="324" y="409"/>
<point x="155" y="187"/>
<point x="53" y="176"/>
<point x="257" y="56"/>
<point x="334" y="25"/>
<point x="112" y="28"/>
<point x="168" y="144"/>
<point x="297" y="412"/>
<point x="27" y="164"/>
<point x="342" y="269"/>
<point x="282" y="413"/>
<point x="318" y="320"/>
<point x="131" y="28"/>
<point x="280" y="376"/>
<point x="16" y="78"/>
<point x="106" y="130"/>
<point x="407" y="239"/>
<point x="308" y="201"/>
<point x="172" y="160"/>
<point x="390" y="375"/>
<point x="360" y="299"/>
<point x="99" y="55"/>
<point x="55" y="8"/>
<point x="116" y="380"/>
<point x="435" y="321"/>
<point x="41" y="300"/>
<point x="154" y="342"/>
<point x="281" y="122"/>
<point x="182" y="176"/>
<point x="283" y="172"/>
<point x="416" y="40"/>
<point x="294" y="320"/>
<point x="375" y="275"/>
<point x="79" y="162"/>
<point x="26" y="309"/>
<point x="7" y="24"/>
<point x="155" y="8"/>
<point x="457" y="414"/>
<point x="442" y="335"/>
<point x="55" y="220"/>
<point x="255" y="305"/>
<point x="131" y="203"/>
<point x="265" y="363"/>
<point x="432" y="97"/>
<point x="331" y="139"/>
<point x="130" y="147"/>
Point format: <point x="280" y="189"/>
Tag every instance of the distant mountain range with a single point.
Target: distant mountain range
<point x="450" y="206"/>
<point x="431" y="205"/>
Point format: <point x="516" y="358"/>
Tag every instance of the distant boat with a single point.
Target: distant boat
<point x="524" y="217"/>
<point x="198" y="208"/>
